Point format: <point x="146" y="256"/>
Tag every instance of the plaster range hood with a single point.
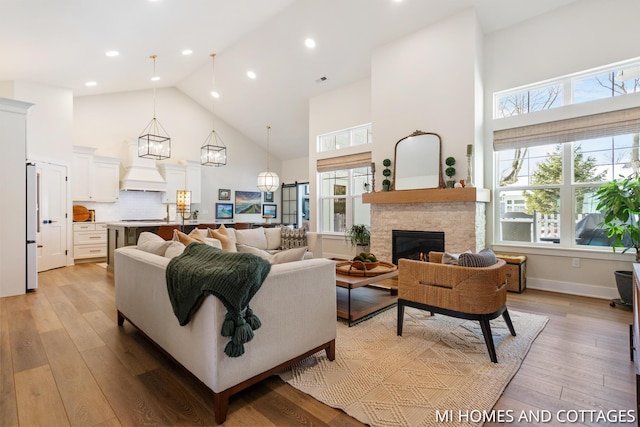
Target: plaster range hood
<point x="141" y="174"/>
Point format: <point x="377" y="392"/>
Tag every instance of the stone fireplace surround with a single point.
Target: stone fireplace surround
<point x="460" y="213"/>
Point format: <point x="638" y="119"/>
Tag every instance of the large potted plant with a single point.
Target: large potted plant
<point x="359" y="236"/>
<point x="619" y="203"/>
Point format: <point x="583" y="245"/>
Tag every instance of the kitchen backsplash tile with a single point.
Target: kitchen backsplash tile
<point x="130" y="205"/>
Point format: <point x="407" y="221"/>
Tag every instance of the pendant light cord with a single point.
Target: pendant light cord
<point x="153" y="80"/>
<point x="213" y="85"/>
<point x="268" y="133"/>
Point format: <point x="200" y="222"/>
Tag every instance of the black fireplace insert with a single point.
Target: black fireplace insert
<point x="415" y="245"/>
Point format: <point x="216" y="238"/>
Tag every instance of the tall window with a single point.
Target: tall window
<point x="343" y="179"/>
<point x="341" y="200"/>
<point x="547" y="180"/>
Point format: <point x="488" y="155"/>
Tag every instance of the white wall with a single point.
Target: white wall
<point x="571" y="39"/>
<point x="295" y="170"/>
<point x="107" y="122"/>
<point x="427" y="81"/>
<point x="49" y="129"/>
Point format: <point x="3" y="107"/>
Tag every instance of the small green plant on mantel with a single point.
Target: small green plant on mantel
<point x="450" y="171"/>
<point x="386" y="183"/>
<point x="358" y="235"/>
<point x="619" y="203"/>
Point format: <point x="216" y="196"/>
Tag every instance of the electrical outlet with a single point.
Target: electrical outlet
<point x="575" y="262"/>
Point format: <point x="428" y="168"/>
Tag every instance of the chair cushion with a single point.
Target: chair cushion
<point x="484" y="258"/>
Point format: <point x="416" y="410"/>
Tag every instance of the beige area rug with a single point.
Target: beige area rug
<point x="439" y="364"/>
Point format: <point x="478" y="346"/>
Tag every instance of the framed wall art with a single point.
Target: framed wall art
<point x="270" y="210"/>
<point x="248" y="202"/>
<point x="268" y="197"/>
<point x="224" y="210"/>
<point x="224" y="194"/>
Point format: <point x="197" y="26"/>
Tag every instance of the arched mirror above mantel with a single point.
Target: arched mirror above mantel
<point x="418" y="160"/>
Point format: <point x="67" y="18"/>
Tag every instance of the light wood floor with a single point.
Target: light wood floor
<point x="64" y="361"/>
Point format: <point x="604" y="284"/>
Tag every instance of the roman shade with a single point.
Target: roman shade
<point x="611" y="123"/>
<point x="349" y="161"/>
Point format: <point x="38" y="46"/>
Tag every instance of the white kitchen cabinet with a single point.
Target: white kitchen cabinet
<point x="94" y="178"/>
<point x="89" y="240"/>
<point x="82" y="173"/>
<point x="175" y="176"/>
<point x="106" y="179"/>
<point x="186" y="176"/>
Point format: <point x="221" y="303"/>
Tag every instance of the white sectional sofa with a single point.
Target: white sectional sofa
<point x="296" y="304"/>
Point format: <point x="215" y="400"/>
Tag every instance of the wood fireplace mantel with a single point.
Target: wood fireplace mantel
<point x="429" y="195"/>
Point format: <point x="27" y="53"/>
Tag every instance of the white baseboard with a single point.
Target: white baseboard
<point x="572" y="288"/>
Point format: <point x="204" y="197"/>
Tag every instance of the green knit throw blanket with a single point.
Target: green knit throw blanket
<point x="233" y="277"/>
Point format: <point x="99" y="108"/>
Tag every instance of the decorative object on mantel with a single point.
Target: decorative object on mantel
<point x="373" y="177"/>
<point x="469" y="181"/>
<point x="386" y="183"/>
<point x="213" y="152"/>
<point x="267" y="180"/>
<point x="450" y="171"/>
<point x="418" y="162"/>
<point x="359" y="236"/>
<point x="154" y="142"/>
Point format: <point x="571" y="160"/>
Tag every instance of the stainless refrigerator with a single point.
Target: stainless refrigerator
<point x="32" y="227"/>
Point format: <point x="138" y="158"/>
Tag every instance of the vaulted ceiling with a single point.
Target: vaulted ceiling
<point x="63" y="43"/>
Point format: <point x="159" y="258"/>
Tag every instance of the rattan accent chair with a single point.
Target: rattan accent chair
<point x="475" y="293"/>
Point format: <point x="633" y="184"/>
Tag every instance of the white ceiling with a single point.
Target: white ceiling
<point x="63" y="43"/>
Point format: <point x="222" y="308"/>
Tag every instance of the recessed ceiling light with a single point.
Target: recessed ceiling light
<point x="155" y="78"/>
<point x="310" y="43"/>
<point x="251" y="74"/>
<point x="187" y="52"/>
<point x="90" y="83"/>
<point x="112" y="53"/>
<point x="215" y="94"/>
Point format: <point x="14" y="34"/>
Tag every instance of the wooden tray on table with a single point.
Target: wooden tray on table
<point x="347" y="267"/>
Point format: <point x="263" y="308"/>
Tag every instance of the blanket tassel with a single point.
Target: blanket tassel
<point x="252" y="319"/>
<point x="243" y="332"/>
<point x="228" y="326"/>
<point x="234" y="350"/>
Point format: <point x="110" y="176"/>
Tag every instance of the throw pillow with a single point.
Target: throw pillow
<point x="225" y="241"/>
<point x="195" y="234"/>
<point x="274" y="237"/>
<point x="229" y="232"/>
<point x="289" y="255"/>
<point x="484" y="258"/>
<point x="152" y="243"/>
<point x="293" y="238"/>
<point x="175" y="248"/>
<point x="185" y="239"/>
<point x="253" y="237"/>
<point x="452" y="259"/>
